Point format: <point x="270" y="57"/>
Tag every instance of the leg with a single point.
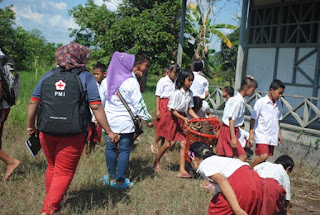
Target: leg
<point x="243" y="157"/>
<point x="125" y="144"/>
<point x="262" y="150"/>
<point x="67" y="154"/>
<point x="111" y="158"/>
<point x="260" y="159"/>
<point x="154" y="147"/>
<point x="161" y="151"/>
<point x="11" y="163"/>
<point x="182" y="172"/>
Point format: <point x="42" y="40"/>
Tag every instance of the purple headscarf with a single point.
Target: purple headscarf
<point x="119" y="70"/>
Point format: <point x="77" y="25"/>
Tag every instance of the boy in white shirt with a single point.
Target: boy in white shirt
<point x="279" y="171"/>
<point x="200" y="85"/>
<point x="264" y="125"/>
<point x="201" y="108"/>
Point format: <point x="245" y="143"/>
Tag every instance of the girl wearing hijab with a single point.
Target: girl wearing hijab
<point x="63" y="152"/>
<point x="119" y="77"/>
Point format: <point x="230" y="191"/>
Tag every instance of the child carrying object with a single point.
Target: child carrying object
<point x="265" y="122"/>
<point x="233" y="117"/>
<point x="180" y="102"/>
<point x="278" y="188"/>
<point x="165" y="88"/>
<point x="201" y="108"/>
<point x="238" y="189"/>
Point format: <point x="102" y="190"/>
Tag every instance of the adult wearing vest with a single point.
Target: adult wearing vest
<point x="63" y="152"/>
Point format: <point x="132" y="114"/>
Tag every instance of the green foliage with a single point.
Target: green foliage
<point x="29" y="49"/>
<point x="151" y="27"/>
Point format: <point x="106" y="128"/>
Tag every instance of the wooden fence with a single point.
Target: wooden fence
<point x="302" y="115"/>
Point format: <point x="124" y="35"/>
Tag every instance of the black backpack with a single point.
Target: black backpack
<point x="10" y="80"/>
<point x="63" y="109"/>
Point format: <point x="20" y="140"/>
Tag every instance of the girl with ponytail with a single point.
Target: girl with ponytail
<point x="238" y="189"/>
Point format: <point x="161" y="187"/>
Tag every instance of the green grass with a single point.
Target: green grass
<point x="152" y="193"/>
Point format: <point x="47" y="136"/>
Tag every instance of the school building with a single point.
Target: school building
<point x="280" y="39"/>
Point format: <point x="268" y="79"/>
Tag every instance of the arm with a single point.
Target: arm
<point x="228" y="192"/>
<point x="251" y="133"/>
<point x="234" y="139"/>
<point x="192" y="113"/>
<point x="32" y="112"/>
<point x="157" y="113"/>
<point x="280" y="136"/>
<point x="287" y="206"/>
<point x="176" y="114"/>
<point x="102" y="119"/>
<point x="206" y="94"/>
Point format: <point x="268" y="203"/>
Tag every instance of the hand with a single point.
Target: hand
<point x="240" y="212"/>
<point x="114" y="138"/>
<point x="234" y="142"/>
<point x="31" y="131"/>
<point x="150" y="124"/>
<point x="96" y="123"/>
<point x="279" y="139"/>
<point x="138" y="73"/>
<point x="185" y="119"/>
<point x="251" y="141"/>
<point x="157" y="114"/>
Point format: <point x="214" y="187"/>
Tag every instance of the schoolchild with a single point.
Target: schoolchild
<point x="139" y="70"/>
<point x="200" y="85"/>
<point x="243" y="136"/>
<point x="201" y="108"/>
<point x="233" y="117"/>
<point x="179" y="104"/>
<point x="227" y="92"/>
<point x="265" y="122"/>
<point x="238" y="189"/>
<point x="278" y="188"/>
<point x="120" y="79"/>
<point x="165" y="88"/>
<point x="165" y="71"/>
<point x="94" y="129"/>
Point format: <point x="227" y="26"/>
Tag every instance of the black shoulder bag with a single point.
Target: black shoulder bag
<point x="136" y="121"/>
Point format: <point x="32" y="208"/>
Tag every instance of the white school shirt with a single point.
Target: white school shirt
<point x="243" y="137"/>
<point x="165" y="87"/>
<point x="181" y="100"/>
<point x="222" y="165"/>
<point x="277" y="172"/>
<point x="267" y="116"/>
<point x="119" y="118"/>
<point x="199" y="85"/>
<point x="234" y="109"/>
<point x="204" y="111"/>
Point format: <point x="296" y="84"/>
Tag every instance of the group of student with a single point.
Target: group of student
<point x="238" y="188"/>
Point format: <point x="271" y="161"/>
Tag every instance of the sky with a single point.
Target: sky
<point x="52" y="19"/>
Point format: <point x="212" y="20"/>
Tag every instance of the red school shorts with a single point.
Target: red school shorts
<point x="264" y="149"/>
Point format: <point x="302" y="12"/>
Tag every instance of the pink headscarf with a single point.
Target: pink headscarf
<point x="119" y="70"/>
<point x="72" y="56"/>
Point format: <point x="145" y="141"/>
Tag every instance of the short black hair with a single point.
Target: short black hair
<point x="183" y="74"/>
<point x="140" y="58"/>
<point x="276" y="84"/>
<point x="286" y="161"/>
<point x="100" y="66"/>
<point x="197" y="65"/>
<point x="165" y="69"/>
<point x="229" y="90"/>
<point x="197" y="102"/>
<point x="248" y="81"/>
<point x="174" y="67"/>
<point x="201" y="150"/>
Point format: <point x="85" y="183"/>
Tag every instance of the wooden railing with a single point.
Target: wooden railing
<point x="304" y="116"/>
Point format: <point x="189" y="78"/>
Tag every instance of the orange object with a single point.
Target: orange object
<point x="195" y="136"/>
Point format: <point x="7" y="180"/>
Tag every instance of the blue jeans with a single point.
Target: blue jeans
<point x="117" y="165"/>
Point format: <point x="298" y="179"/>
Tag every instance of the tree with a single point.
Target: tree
<point x="151" y="27"/>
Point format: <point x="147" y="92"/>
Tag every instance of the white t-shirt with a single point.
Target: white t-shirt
<point x="118" y="117"/>
<point x="277" y="172"/>
<point x="243" y="137"/>
<point x="222" y="165"/>
<point x="199" y="85"/>
<point x="234" y="109"/>
<point x="165" y="87"/>
<point x="267" y="116"/>
<point x="181" y="101"/>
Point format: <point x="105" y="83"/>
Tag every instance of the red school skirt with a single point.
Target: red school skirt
<point x="174" y="128"/>
<point x="247" y="186"/>
<point x="273" y="195"/>
<point x="224" y="148"/>
<point x="161" y="124"/>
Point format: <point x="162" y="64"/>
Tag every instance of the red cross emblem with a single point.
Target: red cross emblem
<point x="60" y="85"/>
